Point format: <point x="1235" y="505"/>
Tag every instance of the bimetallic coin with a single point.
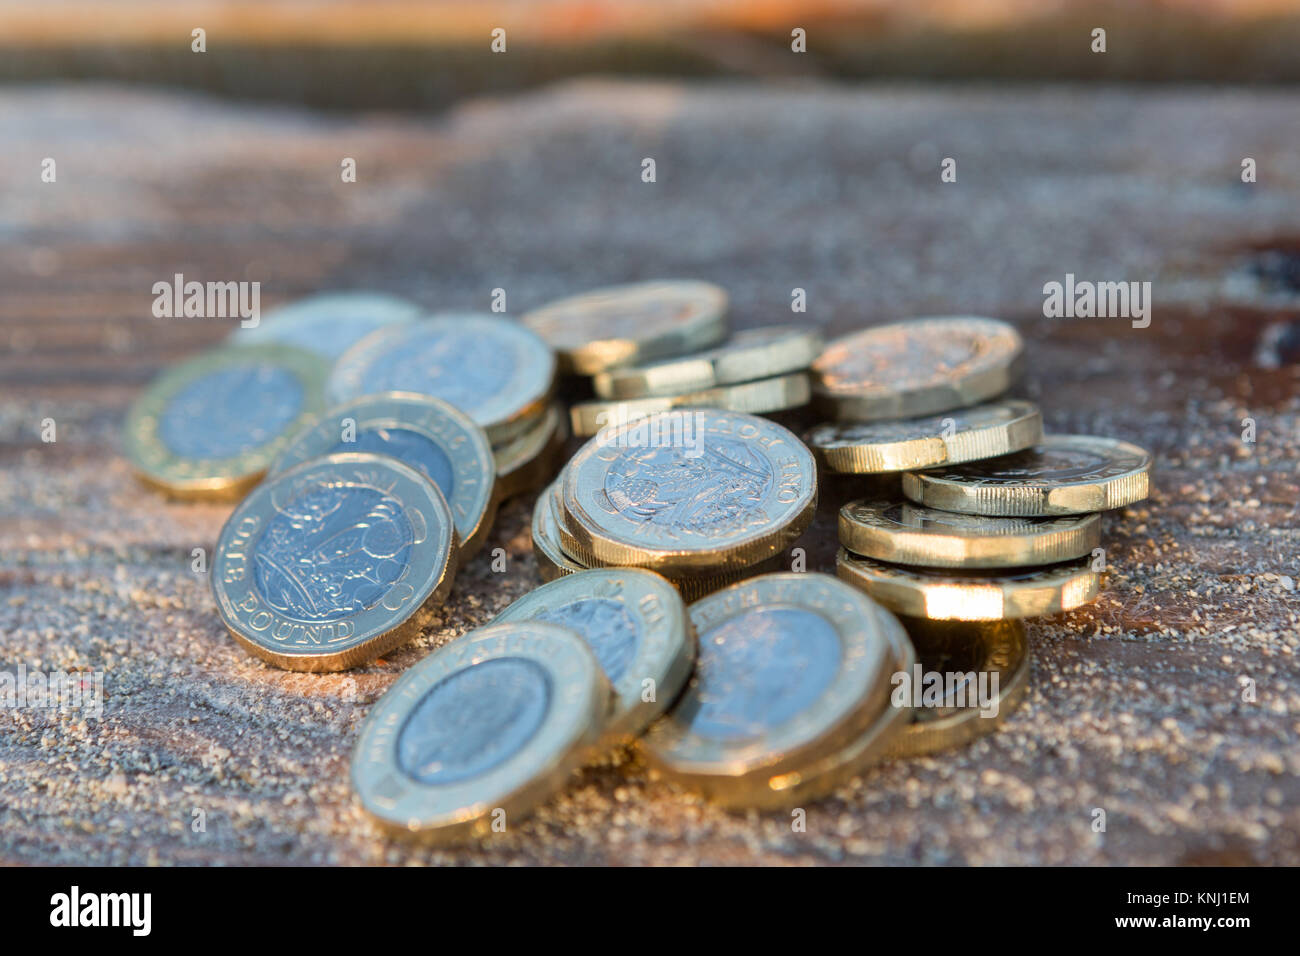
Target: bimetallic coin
<point x="328" y="324"/>
<point x="431" y="436"/>
<point x="626" y="324"/>
<point x="1063" y="474"/>
<point x="918" y="367"/>
<point x="493" y="723"/>
<point x="492" y="369"/>
<point x="905" y="533"/>
<point x="958" y="436"/>
<point x="332" y="563"/>
<point x="972" y="595"/>
<point x="697" y="492"/>
<point x="791" y="668"/>
<point x="636" y="625"/>
<point x="552" y="562"/>
<point x="980" y="675"/>
<point x="761" y="397"/>
<point x="211" y="427"/>
<point x="745" y="357"/>
<point x="530" y="459"/>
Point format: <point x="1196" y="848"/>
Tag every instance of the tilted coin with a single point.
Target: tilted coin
<point x="334" y="562"/>
<point x="967" y="680"/>
<point x="635" y="623"/>
<point x="433" y="437"/>
<point x="211" y="427"/>
<point x="552" y="562"/>
<point x="493" y="723"/>
<point x="957" y="436"/>
<point x="906" y="533"/>
<point x="791" y="668"/>
<point x="492" y="369"/>
<point x="694" y="492"/>
<point x="745" y="357"/>
<point x="328" y="324"/>
<point x="974" y="595"/>
<point x="763" y="396"/>
<point x="1063" y="474"/>
<point x="622" y="325"/>
<point x="525" y="462"/>
<point x="918" y="367"/>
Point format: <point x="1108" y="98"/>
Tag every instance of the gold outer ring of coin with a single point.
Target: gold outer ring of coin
<point x="972" y="596"/>
<point x="747" y="356"/>
<point x="473" y="500"/>
<point x="907" y="533"/>
<point x="982" y="432"/>
<point x="216" y="478"/>
<point x="575" y="717"/>
<point x="760" y="397"/>
<point x="530" y="459"/>
<point x="846" y="387"/>
<point x="579" y="327"/>
<point x="284" y="639"/>
<point x="664" y="648"/>
<point x="1028" y="484"/>
<point x="552" y="562"/>
<point x="1004" y="648"/>
<point x="611" y="538"/>
<point x="767" y="771"/>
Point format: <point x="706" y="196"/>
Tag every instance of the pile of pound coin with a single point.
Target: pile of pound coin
<point x="372" y="443"/>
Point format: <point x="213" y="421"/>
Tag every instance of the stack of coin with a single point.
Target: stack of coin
<point x="704" y="496"/>
<point x="654" y="346"/>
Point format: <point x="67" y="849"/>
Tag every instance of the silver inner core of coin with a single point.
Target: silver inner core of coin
<point x="611" y="632"/>
<point x="408" y="446"/>
<point x="459" y="367"/>
<point x="230" y="411"/>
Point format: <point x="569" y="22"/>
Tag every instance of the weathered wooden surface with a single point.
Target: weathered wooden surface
<point x="1135" y="704"/>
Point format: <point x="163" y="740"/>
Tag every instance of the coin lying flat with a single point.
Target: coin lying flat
<point x="480" y="732"/>
<point x="334" y="562"/>
<point x="552" y="562"/>
<point x="906" y="533"/>
<point x="1063" y="474"/>
<point x="431" y="436"/>
<point x="328" y="324"/>
<point x="958" y="708"/>
<point x="972" y="595"/>
<point x="700" y="492"/>
<point x="492" y="369"/>
<point x="918" y="367"/>
<point x="760" y="397"/>
<point x="791" y="669"/>
<point x="958" y="436"/>
<point x="527" y="461"/>
<point x="636" y="625"/>
<point x="745" y="357"/>
<point x="211" y="427"/>
<point x="626" y="324"/>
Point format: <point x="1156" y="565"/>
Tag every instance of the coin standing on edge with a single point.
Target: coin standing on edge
<point x="529" y="460"/>
<point x="636" y="625"/>
<point x="917" y="367"/>
<point x="693" y="492"/>
<point x="335" y="562"/>
<point x="493" y="369"/>
<point x="481" y="731"/>
<point x="996" y="595"/>
<point x="958" y="436"/>
<point x="211" y="427"/>
<point x="906" y="533"/>
<point x="747" y="356"/>
<point x="627" y="324"/>
<point x="792" y="668"/>
<point x="328" y="324"/>
<point x="433" y="437"/>
<point x="762" y="397"/>
<point x="1063" y="474"/>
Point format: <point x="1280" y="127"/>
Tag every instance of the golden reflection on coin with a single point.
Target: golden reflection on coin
<point x="627" y="324"/>
<point x="907" y="533"/>
<point x="993" y="595"/>
<point x="471" y="739"/>
<point x="756" y="398"/>
<point x="334" y="562"/>
<point x="530" y="459"/>
<point x="1062" y="474"/>
<point x="211" y="427"/>
<point x="552" y="562"/>
<point x="917" y="367"/>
